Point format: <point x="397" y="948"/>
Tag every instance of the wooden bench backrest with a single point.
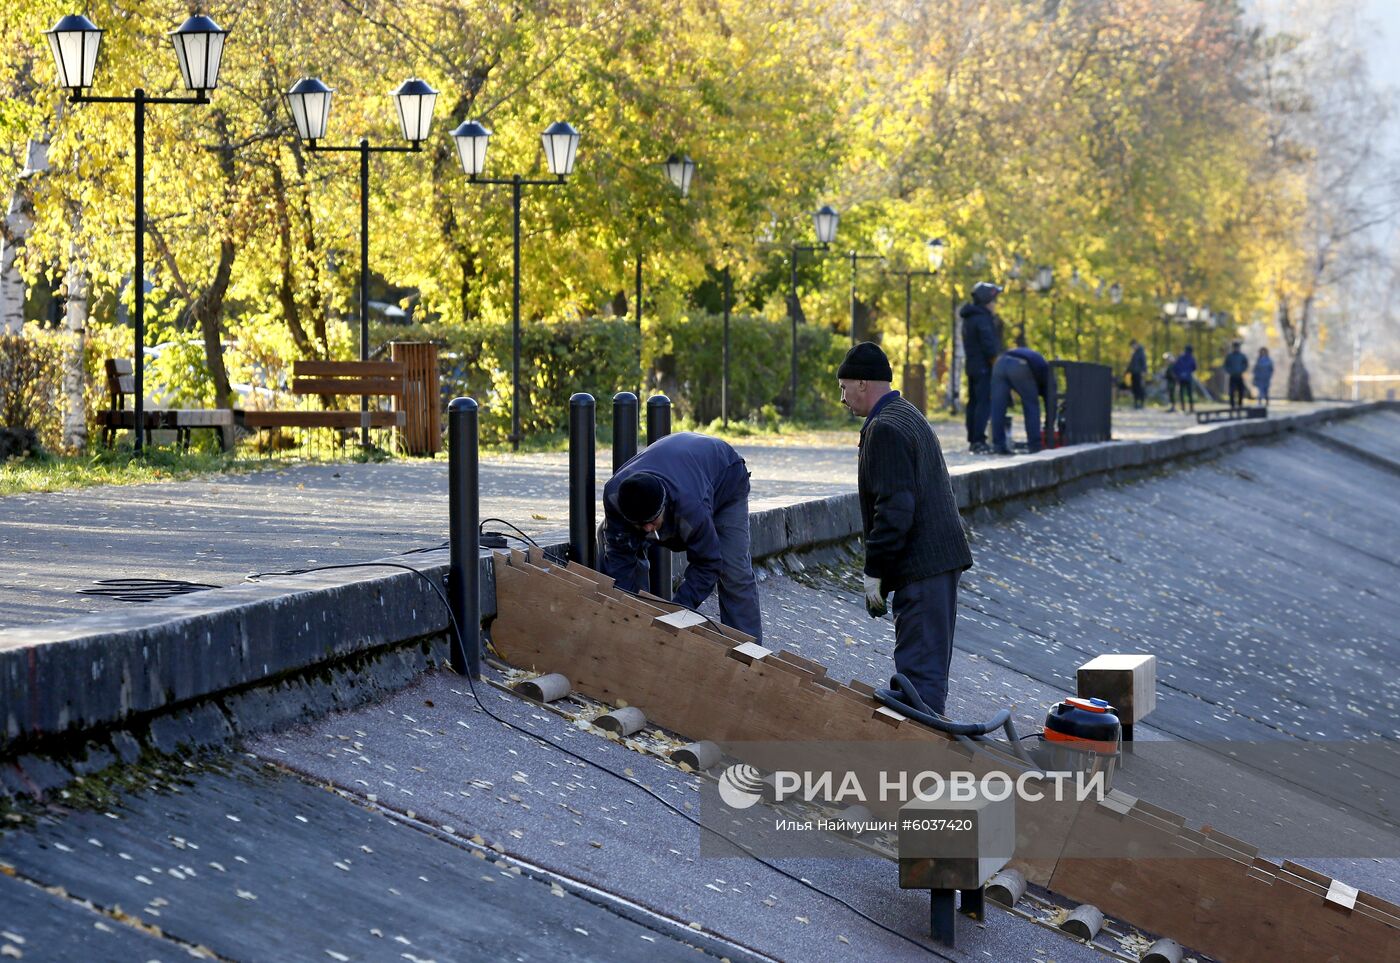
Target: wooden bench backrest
<point x="347" y="378"/>
<point x="121" y="381"/>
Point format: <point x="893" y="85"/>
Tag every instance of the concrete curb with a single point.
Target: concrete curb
<point x="62" y="680"/>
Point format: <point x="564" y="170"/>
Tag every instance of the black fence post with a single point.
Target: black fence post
<point x="624" y="439"/>
<point x="659" y="559"/>
<point x="464" y="515"/>
<point x="583" y="540"/>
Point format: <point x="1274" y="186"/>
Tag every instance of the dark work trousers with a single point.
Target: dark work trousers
<point x="925" y="615"/>
<point x="1139" y="395"/>
<point x="1237" y="392"/>
<point x="1188" y="396"/>
<point x="979" y="405"/>
<point x="1171" y="391"/>
<point x="1014" y="374"/>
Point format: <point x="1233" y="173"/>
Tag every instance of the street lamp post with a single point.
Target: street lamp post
<point x="199" y="48"/>
<point x="1115" y="298"/>
<point x="309" y="102"/>
<point x="560" y="151"/>
<point x="1044" y="281"/>
<point x="679" y="171"/>
<point x="935" y="250"/>
<point x="825" y="219"/>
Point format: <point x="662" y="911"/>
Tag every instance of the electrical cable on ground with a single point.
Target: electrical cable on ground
<point x="476" y="697"/>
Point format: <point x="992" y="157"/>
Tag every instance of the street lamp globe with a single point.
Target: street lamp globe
<point x="74" y="41"/>
<point x="1193" y="313"/>
<point x="472" y="139"/>
<point x="937" y="250"/>
<point x="309" y="101"/>
<point x="1115" y="293"/>
<point x="680" y="169"/>
<point x="825" y="218"/>
<point x="199" y="45"/>
<point x="414" y="101"/>
<point x="560" y="148"/>
<point x="1044" y="278"/>
<point x="1018" y="265"/>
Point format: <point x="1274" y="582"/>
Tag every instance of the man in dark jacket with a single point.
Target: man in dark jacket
<point x="690" y="493"/>
<point x="1137" y="371"/>
<point x="1027" y="373"/>
<point x="1236" y="364"/>
<point x="1184" y="368"/>
<point x="914" y="541"/>
<point x="981" y="334"/>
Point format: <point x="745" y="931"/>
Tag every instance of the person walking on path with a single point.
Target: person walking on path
<point x="1137" y="371"/>
<point x="981" y="334"/>
<point x="690" y="493"/>
<point x="1263" y="375"/>
<point x="1236" y="364"/>
<point x="1185" y="370"/>
<point x="915" y="546"/>
<point x="1027" y="373"/>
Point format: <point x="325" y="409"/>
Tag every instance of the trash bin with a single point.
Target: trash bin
<point x="915" y="387"/>
<point x="422" y="430"/>
<point x="1082" y="405"/>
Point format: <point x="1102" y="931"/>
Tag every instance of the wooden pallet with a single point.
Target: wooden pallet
<point x="705" y="681"/>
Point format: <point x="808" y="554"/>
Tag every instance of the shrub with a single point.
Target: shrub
<point x="30" y="381"/>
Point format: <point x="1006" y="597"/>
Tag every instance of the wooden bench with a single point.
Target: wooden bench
<point x="371" y="379"/>
<point x="121" y="384"/>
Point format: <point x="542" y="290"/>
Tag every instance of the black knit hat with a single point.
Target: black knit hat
<point x="640" y="497"/>
<point x="865" y="362"/>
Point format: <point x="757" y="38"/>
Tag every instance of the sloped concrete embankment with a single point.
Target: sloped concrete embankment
<point x="205" y="668"/>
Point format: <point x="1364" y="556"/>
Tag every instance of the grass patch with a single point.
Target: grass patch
<point x="52" y="473"/>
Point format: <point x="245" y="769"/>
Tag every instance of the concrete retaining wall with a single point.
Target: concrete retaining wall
<point x="61" y="681"/>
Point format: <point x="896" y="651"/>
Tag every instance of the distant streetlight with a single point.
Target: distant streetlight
<point x="824" y="221"/>
<point x="199" y="49"/>
<point x="680" y="169"/>
<point x="560" y="142"/>
<point x="309" y="102"/>
<point x="855" y="258"/>
<point x="936" y="249"/>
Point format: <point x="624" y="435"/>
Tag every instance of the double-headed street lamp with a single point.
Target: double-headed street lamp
<point x="560" y="151"/>
<point x="199" y="48"/>
<point x="309" y="101"/>
<point x="855" y="258"/>
<point x="825" y="219"/>
<point x="936" y="249"/>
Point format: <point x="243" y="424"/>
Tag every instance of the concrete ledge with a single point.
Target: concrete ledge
<point x="61" y="681"/>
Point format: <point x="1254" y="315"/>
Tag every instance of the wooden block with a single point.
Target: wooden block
<point x="1127" y="682"/>
<point x="946" y="844"/>
<point x="680" y="619"/>
<point x="749" y="653"/>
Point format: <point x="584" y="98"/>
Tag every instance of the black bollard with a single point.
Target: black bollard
<point x="464" y="515"/>
<point x="583" y="541"/>
<point x="658" y="558"/>
<point x="624" y="428"/>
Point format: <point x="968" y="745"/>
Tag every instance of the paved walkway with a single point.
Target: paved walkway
<point x="221" y="528"/>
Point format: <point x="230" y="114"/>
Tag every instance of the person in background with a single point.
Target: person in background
<point x="1027" y="373"/>
<point x="981" y="334"/>
<point x="1137" y="371"/>
<point x="1169" y="376"/>
<point x="1185" y="371"/>
<point x="1236" y="364"/>
<point x="1263" y="375"/>
<point x="915" y="546"/>
<point x="690" y="493"/>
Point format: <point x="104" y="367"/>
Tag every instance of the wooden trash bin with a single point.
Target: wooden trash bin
<point x="422" y="430"/>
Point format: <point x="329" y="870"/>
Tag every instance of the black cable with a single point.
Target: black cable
<point x="471" y="685"/>
<point x="481" y="530"/>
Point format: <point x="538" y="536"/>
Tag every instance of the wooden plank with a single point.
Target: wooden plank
<point x="347" y="386"/>
<point x="320" y="419"/>
<point x="346" y="369"/>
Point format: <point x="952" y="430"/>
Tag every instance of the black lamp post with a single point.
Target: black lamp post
<point x="825" y="219"/>
<point x="309" y="102"/>
<point x="560" y="151"/>
<point x="1115" y="298"/>
<point x="855" y="258"/>
<point x="679" y="171"/>
<point x="936" y="250"/>
<point x="199" y="48"/>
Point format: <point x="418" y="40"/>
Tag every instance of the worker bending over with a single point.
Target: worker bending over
<point x="690" y="493"/>
<point x="1027" y="373"/>
<point x="915" y="547"/>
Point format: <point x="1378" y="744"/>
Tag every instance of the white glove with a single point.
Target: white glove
<point x="874" y="597"/>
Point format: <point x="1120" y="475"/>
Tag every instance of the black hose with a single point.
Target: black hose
<point x="903" y="698"/>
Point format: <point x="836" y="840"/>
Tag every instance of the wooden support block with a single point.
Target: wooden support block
<point x="749" y="653"/>
<point x="1127" y="682"/>
<point x="954" y="844"/>
<point x="1084" y="923"/>
<point x="680" y="619"/>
